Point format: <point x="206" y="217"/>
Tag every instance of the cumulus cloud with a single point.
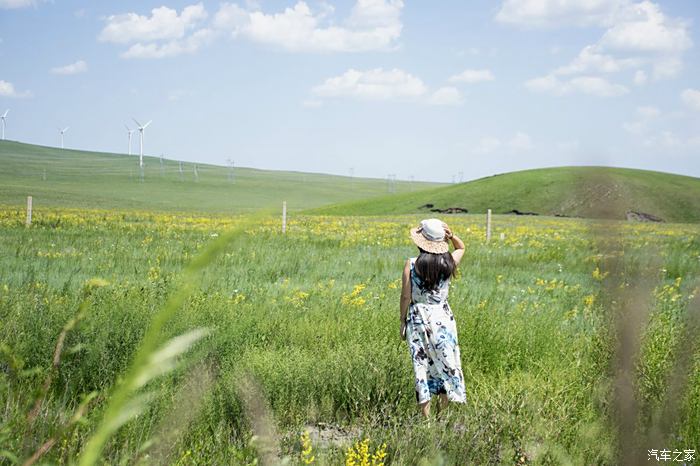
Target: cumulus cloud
<point x="591" y="85"/>
<point x="372" y="25"/>
<point x="691" y="97"/>
<point x="376" y="84"/>
<point x="164" y="33"/>
<point x="12" y="4"/>
<point x="164" y="23"/>
<point x="519" y="142"/>
<point x="446" y="95"/>
<point x="7" y="89"/>
<point x="385" y="85"/>
<point x="643" y="27"/>
<point x="591" y="60"/>
<point x="472" y="76"/>
<point x="74" y="68"/>
<point x="189" y="44"/>
<point x="637" y="35"/>
<point x="557" y="13"/>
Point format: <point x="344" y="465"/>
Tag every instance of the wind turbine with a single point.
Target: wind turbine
<point x="4" y="116"/>
<point x="130" y="131"/>
<point x="141" y="128"/>
<point x="62" y="131"/>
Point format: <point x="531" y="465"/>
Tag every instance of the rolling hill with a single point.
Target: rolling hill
<point x="71" y="178"/>
<point x="594" y="192"/>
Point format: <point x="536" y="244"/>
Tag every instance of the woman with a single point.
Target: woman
<point x="427" y="321"/>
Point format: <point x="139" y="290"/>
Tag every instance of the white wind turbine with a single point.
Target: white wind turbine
<point x="141" y="128"/>
<point x="130" y="131"/>
<point x="62" y="131"/>
<point x="4" y="117"/>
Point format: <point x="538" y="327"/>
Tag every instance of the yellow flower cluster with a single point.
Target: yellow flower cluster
<point x="670" y="293"/>
<point x="598" y="275"/>
<point x="297" y="298"/>
<point x="359" y="455"/>
<point x="307" y="456"/>
<point x="354" y="298"/>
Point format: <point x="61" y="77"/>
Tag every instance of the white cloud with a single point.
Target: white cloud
<point x="589" y="60"/>
<point x="372" y="25"/>
<point x="520" y="142"/>
<point x="591" y="85"/>
<point x="376" y="84"/>
<point x="472" y="76"/>
<point x="164" y="23"/>
<point x="691" y="97"/>
<point x="385" y="85"/>
<point x="637" y="34"/>
<point x="446" y="95"/>
<point x="74" y="68"/>
<point x="7" y="89"/>
<point x="164" y="33"/>
<point x="558" y="13"/>
<point x="11" y="4"/>
<point x="172" y="48"/>
<point x="643" y="27"/>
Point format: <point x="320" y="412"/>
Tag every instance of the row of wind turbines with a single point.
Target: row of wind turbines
<point x="140" y="129"/>
<point x="62" y="131"/>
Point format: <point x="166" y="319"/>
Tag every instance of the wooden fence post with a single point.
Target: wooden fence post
<point x="29" y="210"/>
<point x="488" y="225"/>
<point x="284" y="216"/>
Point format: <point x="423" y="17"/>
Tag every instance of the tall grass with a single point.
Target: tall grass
<point x="531" y="315"/>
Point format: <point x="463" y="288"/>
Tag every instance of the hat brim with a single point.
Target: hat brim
<point x="435" y="247"/>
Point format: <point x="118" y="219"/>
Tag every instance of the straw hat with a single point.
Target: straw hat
<point x="430" y="236"/>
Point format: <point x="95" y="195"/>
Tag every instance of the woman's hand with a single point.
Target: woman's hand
<point x="448" y="232"/>
<point x="403" y="330"/>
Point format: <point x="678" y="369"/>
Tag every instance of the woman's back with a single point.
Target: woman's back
<point x="421" y="295"/>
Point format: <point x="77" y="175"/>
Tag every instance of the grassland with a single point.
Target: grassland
<point x="312" y="317"/>
<point x="548" y="191"/>
<point x="70" y="178"/>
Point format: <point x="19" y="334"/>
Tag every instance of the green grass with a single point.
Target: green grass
<point x="532" y="320"/>
<point x="71" y="178"/>
<point x="567" y="191"/>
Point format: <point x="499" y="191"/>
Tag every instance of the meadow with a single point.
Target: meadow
<point x="302" y="340"/>
<point x="64" y="178"/>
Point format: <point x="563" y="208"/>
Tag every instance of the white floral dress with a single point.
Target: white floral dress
<point x="431" y="334"/>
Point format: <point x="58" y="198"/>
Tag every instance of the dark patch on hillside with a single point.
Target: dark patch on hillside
<point x="446" y="210"/>
<point x="518" y="212"/>
<point x="642" y="217"/>
<point x="451" y="210"/>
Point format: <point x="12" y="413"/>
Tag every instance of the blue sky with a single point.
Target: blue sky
<point x="418" y="89"/>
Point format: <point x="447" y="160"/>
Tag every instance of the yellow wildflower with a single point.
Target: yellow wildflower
<point x="307" y="456"/>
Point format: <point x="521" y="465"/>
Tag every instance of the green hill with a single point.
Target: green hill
<point x="594" y="192"/>
<point x="71" y="178"/>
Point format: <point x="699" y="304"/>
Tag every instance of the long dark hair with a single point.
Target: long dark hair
<point x="433" y="268"/>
